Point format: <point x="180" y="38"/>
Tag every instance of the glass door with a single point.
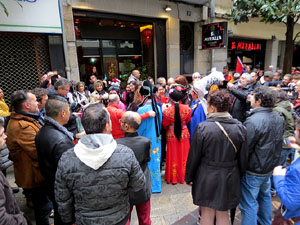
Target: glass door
<point x="110" y="62"/>
<point x="89" y="58"/>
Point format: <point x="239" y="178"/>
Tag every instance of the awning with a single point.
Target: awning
<point x="194" y="2"/>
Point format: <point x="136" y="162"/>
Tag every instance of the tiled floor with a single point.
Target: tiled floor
<point x="173" y="205"/>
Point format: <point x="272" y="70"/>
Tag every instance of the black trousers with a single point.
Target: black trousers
<point x="41" y="205"/>
<point x="57" y="218"/>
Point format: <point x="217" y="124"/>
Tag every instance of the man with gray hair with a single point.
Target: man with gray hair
<point x="162" y="80"/>
<point x="240" y="105"/>
<point x="135" y="76"/>
<point x="61" y="87"/>
<point x="141" y="146"/>
<point x="93" y="179"/>
<point x="52" y="140"/>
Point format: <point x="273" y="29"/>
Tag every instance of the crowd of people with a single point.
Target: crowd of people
<point x="92" y="152"/>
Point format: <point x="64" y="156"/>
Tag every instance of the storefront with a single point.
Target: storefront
<point x="250" y="51"/>
<point x="29" y="47"/>
<point x="112" y="45"/>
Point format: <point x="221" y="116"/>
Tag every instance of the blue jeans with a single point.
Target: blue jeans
<point x="284" y="154"/>
<point x="256" y="200"/>
<point x="282" y="161"/>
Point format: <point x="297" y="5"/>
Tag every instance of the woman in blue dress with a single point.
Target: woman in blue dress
<point x="150" y="128"/>
<point x="198" y="108"/>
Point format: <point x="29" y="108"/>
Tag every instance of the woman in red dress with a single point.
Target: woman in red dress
<point x="175" y="119"/>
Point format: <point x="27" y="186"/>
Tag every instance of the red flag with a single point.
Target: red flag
<point x="239" y="66"/>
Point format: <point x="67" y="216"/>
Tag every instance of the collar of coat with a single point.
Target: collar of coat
<point x="30" y="117"/>
<point x="131" y="134"/>
<point x="223" y="120"/>
<point x="59" y="127"/>
<point x="259" y="109"/>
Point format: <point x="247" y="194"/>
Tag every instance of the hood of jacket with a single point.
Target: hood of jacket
<point x="95" y="149"/>
<point x="284" y="104"/>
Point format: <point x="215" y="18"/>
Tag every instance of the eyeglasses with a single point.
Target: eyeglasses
<point x="120" y="121"/>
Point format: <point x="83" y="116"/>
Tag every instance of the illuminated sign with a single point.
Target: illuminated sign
<point x="33" y="16"/>
<point x="238" y="45"/>
<point x="214" y="35"/>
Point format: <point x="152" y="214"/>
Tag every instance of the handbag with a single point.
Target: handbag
<point x="226" y="134"/>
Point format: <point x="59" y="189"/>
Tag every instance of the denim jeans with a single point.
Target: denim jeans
<point x="284" y="154"/>
<point x="256" y="200"/>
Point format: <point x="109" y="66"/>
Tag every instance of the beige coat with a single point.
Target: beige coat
<point x="21" y="132"/>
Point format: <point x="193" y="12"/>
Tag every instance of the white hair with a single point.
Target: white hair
<point x="248" y="76"/>
<point x="113" y="98"/>
<point x="196" y="74"/>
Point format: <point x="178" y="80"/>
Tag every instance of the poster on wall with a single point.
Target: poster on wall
<point x="110" y="67"/>
<point x="214" y="35"/>
<point x="35" y="16"/>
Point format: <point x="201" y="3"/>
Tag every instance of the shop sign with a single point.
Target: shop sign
<point x="214" y="35"/>
<point x="34" y="16"/>
<point x="239" y="45"/>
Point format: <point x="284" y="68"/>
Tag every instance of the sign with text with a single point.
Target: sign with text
<point x="244" y="45"/>
<point x="214" y="35"/>
<point x="35" y="16"/>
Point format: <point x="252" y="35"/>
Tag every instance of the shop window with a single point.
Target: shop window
<point x="113" y="47"/>
<point x="110" y="62"/>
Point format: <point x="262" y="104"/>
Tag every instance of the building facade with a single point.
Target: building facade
<point x="112" y="37"/>
<point x="107" y="36"/>
<point x="31" y="44"/>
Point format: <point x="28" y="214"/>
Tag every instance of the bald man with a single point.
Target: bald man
<point x="135" y="76"/>
<point x="141" y="147"/>
<point x="116" y="114"/>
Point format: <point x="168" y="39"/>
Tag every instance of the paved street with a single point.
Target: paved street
<point x="172" y="206"/>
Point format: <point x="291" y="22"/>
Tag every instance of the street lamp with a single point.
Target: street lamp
<point x="168" y="8"/>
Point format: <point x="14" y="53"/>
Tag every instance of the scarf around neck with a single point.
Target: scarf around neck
<point x="219" y="114"/>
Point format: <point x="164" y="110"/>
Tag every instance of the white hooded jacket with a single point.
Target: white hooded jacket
<point x="95" y="149"/>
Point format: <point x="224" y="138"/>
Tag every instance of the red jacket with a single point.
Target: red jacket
<point x="115" y="116"/>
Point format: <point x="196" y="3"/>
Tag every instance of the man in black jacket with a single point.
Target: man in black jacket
<point x="93" y="179"/>
<point x="61" y="88"/>
<point x="264" y="136"/>
<point x="141" y="147"/>
<point x="52" y="140"/>
<point x="240" y="105"/>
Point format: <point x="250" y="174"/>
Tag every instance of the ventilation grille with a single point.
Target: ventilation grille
<point x="23" y="59"/>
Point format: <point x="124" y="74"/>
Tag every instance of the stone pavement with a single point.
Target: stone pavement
<point x="173" y="205"/>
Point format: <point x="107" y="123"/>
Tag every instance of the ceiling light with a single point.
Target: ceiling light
<point x="168" y="8"/>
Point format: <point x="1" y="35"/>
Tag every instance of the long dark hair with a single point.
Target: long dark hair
<point x="147" y="91"/>
<point x="176" y="94"/>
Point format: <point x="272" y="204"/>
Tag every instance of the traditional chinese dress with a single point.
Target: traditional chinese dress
<point x="177" y="151"/>
<point x="147" y="129"/>
<point x="198" y="115"/>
